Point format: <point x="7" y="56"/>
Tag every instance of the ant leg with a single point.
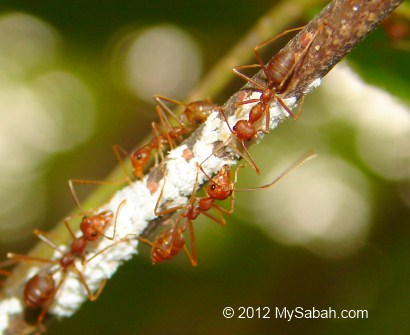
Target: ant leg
<point x="191" y="256"/>
<point x="120" y="206"/>
<point x="248" y="158"/>
<point x="299" y="111"/>
<point x="203" y="171"/>
<point x="117" y="149"/>
<point x="147" y="242"/>
<point x="245" y="77"/>
<point x="233" y="185"/>
<point x="190" y="205"/>
<point x="245" y="102"/>
<point x="163" y="118"/>
<point x="220" y="220"/>
<point x="226" y="121"/>
<point x="5" y="264"/>
<point x="41" y="328"/>
<point x="91" y="296"/>
<point x="126" y="238"/>
<point x="41" y="236"/>
<point x="165" y="211"/>
<point x="72" y="182"/>
<point x="282" y="103"/>
<point x="160" y="148"/>
<point x="25" y="258"/>
<point x="160" y="100"/>
<point x="305" y="158"/>
<point x="192" y="260"/>
<point x="67" y="225"/>
<point x="184" y="215"/>
<point x="267" y="120"/>
<point x="164" y="121"/>
<point x="219" y="147"/>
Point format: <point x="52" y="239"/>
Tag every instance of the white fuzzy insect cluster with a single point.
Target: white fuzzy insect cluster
<point x="134" y="205"/>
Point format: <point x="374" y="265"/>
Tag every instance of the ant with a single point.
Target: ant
<point x="278" y="72"/>
<point x="170" y="241"/>
<point x="140" y="157"/>
<point x="195" y="113"/>
<point x="41" y="289"/>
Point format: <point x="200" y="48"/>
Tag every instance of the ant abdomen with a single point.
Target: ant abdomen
<point x="278" y="69"/>
<point x="39" y="290"/>
<point x="198" y="111"/>
<point x="166" y="245"/>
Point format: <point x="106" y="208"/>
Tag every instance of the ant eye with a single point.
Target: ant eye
<point x="139" y="156"/>
<point x="213" y="187"/>
<point x="234" y="127"/>
<point x="94" y="234"/>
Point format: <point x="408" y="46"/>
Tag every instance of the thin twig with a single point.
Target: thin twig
<point x="340" y="26"/>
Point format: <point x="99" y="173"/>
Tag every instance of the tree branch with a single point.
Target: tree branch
<point x="339" y="28"/>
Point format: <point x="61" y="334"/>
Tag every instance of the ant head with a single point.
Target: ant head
<point x="93" y="227"/>
<point x="220" y="185"/>
<point x="139" y="159"/>
<point x="244" y="130"/>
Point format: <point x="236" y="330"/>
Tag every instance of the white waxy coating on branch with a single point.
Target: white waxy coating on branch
<point x="136" y="209"/>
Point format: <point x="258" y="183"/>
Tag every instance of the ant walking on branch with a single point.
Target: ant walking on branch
<point x="194" y="114"/>
<point x="169" y="242"/>
<point x="41" y="289"/>
<point x="278" y="72"/>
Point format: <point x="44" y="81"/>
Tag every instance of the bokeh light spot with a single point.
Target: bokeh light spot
<point x="158" y="60"/>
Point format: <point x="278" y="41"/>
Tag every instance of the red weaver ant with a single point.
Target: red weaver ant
<point x="194" y="113"/>
<point x="40" y="289"/>
<point x="170" y="241"/>
<point x="278" y="72"/>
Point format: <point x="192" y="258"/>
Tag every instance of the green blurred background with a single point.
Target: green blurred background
<point x="77" y="77"/>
